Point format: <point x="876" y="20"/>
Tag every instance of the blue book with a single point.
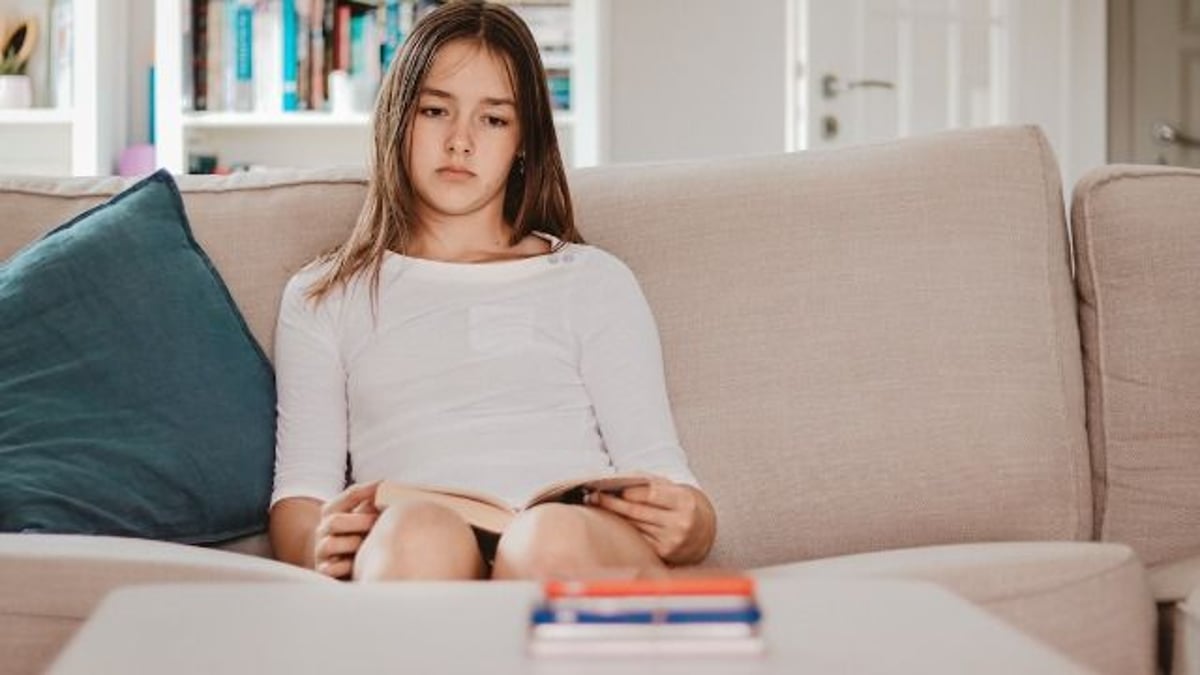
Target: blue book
<point x="547" y="614"/>
<point x="291" y="99"/>
<point x="243" y="55"/>
<point x="229" y="54"/>
<point x="392" y="37"/>
<point x="358" y="49"/>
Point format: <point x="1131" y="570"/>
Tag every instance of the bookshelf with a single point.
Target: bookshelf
<point x="80" y="137"/>
<point x="310" y="138"/>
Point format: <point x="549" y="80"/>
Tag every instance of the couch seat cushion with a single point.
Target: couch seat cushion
<point x="1088" y="600"/>
<point x="134" y="400"/>
<point x="1174" y="581"/>
<point x="53" y="582"/>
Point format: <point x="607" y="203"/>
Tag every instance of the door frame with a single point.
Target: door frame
<point x="1120" y="81"/>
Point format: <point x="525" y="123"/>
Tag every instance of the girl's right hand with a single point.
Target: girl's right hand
<point x="345" y="522"/>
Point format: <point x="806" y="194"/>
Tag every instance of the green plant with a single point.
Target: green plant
<point x="17" y="47"/>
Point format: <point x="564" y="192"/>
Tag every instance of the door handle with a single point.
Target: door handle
<point x="830" y="87"/>
<point x="1169" y="134"/>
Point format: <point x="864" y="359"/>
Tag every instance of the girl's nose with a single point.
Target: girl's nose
<point x="459" y="142"/>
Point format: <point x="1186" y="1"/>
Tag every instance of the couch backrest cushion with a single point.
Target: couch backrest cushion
<point x="258" y="228"/>
<point x="1137" y="250"/>
<point x="866" y="348"/>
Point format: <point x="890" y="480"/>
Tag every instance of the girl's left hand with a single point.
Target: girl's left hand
<point x="678" y="520"/>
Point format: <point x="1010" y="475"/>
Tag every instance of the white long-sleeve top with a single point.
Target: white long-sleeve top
<point x="499" y="377"/>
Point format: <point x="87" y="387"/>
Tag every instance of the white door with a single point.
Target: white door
<point x="1165" y="92"/>
<point x="871" y="70"/>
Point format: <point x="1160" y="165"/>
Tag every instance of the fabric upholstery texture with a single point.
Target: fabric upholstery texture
<point x="1137" y="253"/>
<point x="1090" y="602"/>
<point x="859" y="360"/>
<point x="867" y="349"/>
<point x="1172" y="581"/>
<point x="1186" y="659"/>
<point x="135" y="401"/>
<point x="257" y="228"/>
<point x="51" y="583"/>
<point x="906" y="368"/>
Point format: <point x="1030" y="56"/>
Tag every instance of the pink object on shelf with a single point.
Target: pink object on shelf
<point x="136" y="160"/>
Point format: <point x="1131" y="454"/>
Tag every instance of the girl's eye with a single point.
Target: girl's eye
<point x="498" y="122"/>
<point x="433" y="112"/>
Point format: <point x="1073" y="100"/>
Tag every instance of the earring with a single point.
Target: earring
<point x="520" y="164"/>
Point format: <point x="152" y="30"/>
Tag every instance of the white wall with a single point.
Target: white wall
<point x="702" y="78"/>
<point x="695" y="78"/>
<point x="1067" y="98"/>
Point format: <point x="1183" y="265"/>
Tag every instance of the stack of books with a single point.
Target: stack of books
<point x="671" y="616"/>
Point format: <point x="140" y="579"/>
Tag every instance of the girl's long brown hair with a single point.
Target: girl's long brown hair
<point x="536" y="196"/>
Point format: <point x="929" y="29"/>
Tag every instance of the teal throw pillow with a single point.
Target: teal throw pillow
<point x="133" y="399"/>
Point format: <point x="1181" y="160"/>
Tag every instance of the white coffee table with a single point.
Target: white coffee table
<point x="827" y="626"/>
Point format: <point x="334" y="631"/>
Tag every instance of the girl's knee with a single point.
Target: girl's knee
<point x="547" y="541"/>
<point x="419" y="519"/>
<point x="418" y="540"/>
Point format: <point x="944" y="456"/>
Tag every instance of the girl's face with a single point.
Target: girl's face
<point x="465" y="135"/>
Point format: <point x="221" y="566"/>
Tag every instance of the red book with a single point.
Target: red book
<point x="743" y="586"/>
<point x="342" y="41"/>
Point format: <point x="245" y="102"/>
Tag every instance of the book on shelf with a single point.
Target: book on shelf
<point x="227" y="58"/>
<point x="197" y="98"/>
<point x="243" y="56"/>
<point x="279" y="55"/>
<point x="289" y="22"/>
<point x="314" y="73"/>
<point x="493" y="514"/>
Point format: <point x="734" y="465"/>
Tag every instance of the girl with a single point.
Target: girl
<point x="464" y="335"/>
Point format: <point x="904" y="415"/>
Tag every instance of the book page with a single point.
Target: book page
<point x="614" y="482"/>
<point x="477" y="508"/>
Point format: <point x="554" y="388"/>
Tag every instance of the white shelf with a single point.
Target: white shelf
<point x="37" y="117"/>
<point x="82" y="140"/>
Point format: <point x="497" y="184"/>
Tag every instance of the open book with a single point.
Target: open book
<point x="493" y="514"/>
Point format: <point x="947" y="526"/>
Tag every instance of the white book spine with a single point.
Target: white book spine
<point x="268" y="56"/>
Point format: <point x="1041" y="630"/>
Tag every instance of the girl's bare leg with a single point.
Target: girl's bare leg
<point x="560" y="540"/>
<point x="418" y="540"/>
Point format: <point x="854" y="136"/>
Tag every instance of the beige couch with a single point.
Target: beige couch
<point x="877" y="362"/>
